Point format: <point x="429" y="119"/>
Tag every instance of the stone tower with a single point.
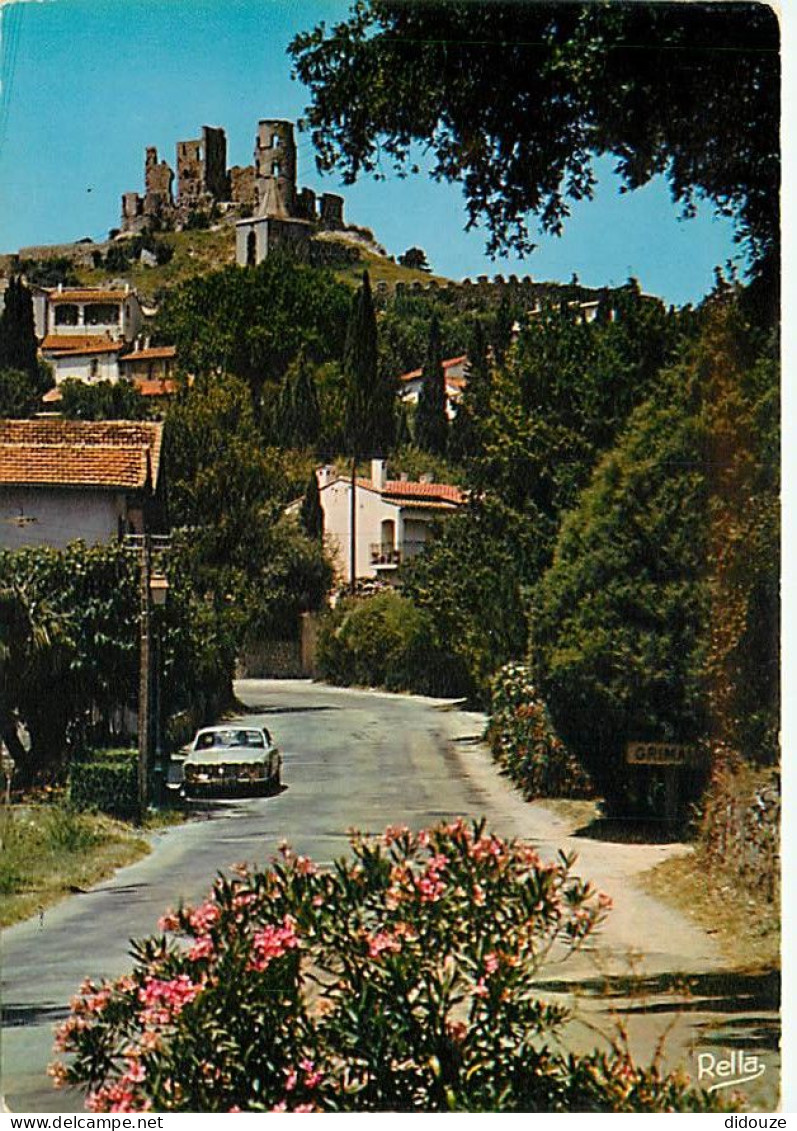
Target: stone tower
<point x="275" y="168"/>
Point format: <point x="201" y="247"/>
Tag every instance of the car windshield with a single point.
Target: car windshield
<point x="210" y="738"/>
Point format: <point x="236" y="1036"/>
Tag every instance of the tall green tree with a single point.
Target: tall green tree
<point x="105" y="400"/>
<point x="252" y="322"/>
<point x="431" y="420"/>
<point x="18" y="343"/>
<point x="474" y="404"/>
<point x="515" y="101"/>
<point x="312" y="514"/>
<point x="297" y="422"/>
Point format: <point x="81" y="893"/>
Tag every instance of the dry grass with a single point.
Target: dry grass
<point x="746" y="927"/>
<point x="49" y="851"/>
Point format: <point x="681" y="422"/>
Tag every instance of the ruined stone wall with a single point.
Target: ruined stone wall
<point x="215" y="161"/>
<point x="190" y="172"/>
<point x="242" y="185"/>
<point x="158" y="176"/>
<point x="331" y="215"/>
<point x="275" y="168"/>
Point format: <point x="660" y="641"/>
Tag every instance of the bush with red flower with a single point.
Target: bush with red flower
<point x="401" y="979"/>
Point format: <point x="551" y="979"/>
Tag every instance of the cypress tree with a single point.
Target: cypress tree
<point x="297" y="414"/>
<point x="311" y="515"/>
<point x="18" y="345"/>
<point x="431" y="423"/>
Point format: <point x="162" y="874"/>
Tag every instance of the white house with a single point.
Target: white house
<point x="86" y="330"/>
<point x="394" y="518"/>
<point x="410" y="384"/>
<point x="61" y="480"/>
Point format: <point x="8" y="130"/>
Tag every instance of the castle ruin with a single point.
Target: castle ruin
<point x="273" y="211"/>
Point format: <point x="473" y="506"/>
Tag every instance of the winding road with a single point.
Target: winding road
<point x="368" y="759"/>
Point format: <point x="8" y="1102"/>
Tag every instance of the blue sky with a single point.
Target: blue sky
<point x="87" y="84"/>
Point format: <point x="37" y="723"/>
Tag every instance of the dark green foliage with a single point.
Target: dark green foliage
<point x="49" y="272"/>
<point x="525" y="744"/>
<point x="18" y="344"/>
<point x="19" y="395"/>
<point x="252" y="322"/>
<point x="431" y="420"/>
<point x="469" y="581"/>
<point x="69" y="648"/>
<point x="501" y="335"/>
<point x="515" y="100"/>
<point x="104" y="400"/>
<point x="415" y="258"/>
<point x="386" y="641"/>
<point x="297" y="414"/>
<point x="117" y="258"/>
<point x="369" y="394"/>
<point x="106" y="780"/>
<point x="658" y="617"/>
<point x="231" y="491"/>
<point x="540" y="426"/>
<point x="465" y="436"/>
<point x="312" y="514"/>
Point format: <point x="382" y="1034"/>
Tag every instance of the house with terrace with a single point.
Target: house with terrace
<point x="394" y="518"/>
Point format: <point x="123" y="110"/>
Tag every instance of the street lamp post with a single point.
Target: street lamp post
<point x="153" y="589"/>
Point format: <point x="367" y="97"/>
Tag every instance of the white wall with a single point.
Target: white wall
<point x="371" y="510"/>
<point x="60" y="516"/>
<point x="80" y="367"/>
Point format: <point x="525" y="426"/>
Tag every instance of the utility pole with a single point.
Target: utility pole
<point x="151" y="587"/>
<point x="144" y="677"/>
<point x="353" y="526"/>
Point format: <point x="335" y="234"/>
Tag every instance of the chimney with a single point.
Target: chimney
<point x="427" y="477"/>
<point x="326" y="474"/>
<point x="404" y="477"/>
<point x="378" y="473"/>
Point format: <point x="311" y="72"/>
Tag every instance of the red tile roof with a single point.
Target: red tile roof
<point x="65" y="344"/>
<point x="448" y="364"/>
<point x="109" y="454"/>
<point x="154" y="353"/>
<point x="407" y="491"/>
<point x="75" y="294"/>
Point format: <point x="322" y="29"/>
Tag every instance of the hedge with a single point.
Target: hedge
<point x="106" y="780"/>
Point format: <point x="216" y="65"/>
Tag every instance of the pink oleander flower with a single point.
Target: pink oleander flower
<point x="305" y="867"/>
<point x="202" y="948"/>
<point x="383" y="943"/>
<point x="273" y="942"/>
<point x="67" y="1031"/>
<point x="480" y="989"/>
<point x="312" y="1078"/>
<point x="491" y="963"/>
<point x="245" y="899"/>
<point x="58" y="1072"/>
<point x="169" y="921"/>
<point x="202" y="918"/>
<point x="478" y="894"/>
<point x="280" y="1107"/>
<point x="305" y="1108"/>
<point x="165" y="1000"/>
<point x="291" y="1079"/>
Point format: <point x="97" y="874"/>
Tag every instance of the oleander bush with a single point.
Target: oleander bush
<point x="524" y="742"/>
<point x="401" y="979"/>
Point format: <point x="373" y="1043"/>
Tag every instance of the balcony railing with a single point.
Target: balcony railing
<point x="392" y="556"/>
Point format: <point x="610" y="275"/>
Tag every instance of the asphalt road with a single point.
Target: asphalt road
<point x="366" y="760"/>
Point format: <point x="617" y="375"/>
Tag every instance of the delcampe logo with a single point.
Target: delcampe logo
<point x="728" y="1069"/>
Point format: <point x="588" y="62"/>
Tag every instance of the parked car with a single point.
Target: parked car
<point x="230" y="758"/>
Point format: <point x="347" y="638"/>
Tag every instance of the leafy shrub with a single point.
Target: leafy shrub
<point x="106" y="780"/>
<point x="524" y="742"/>
<point x="385" y="641"/>
<point x="369" y="987"/>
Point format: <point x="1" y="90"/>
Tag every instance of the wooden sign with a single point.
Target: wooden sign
<point x="659" y="754"/>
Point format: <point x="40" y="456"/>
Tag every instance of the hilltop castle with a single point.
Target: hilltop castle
<point x="264" y="194"/>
